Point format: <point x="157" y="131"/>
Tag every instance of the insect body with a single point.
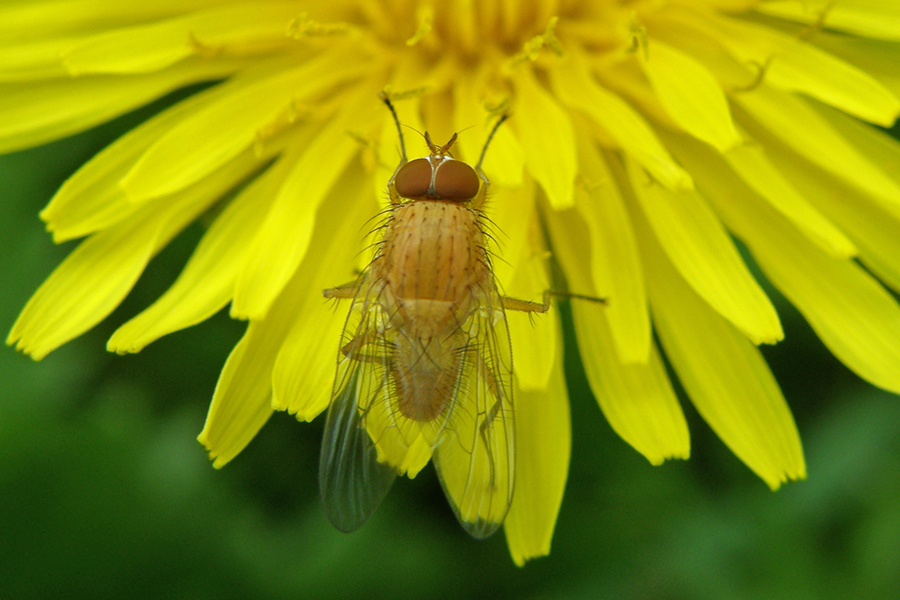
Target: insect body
<point x="425" y="366"/>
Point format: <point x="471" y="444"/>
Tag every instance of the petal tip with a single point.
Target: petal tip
<point x="217" y="461"/>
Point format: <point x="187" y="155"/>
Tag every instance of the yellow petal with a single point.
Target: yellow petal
<point x="34" y="60"/>
<point x="284" y="237"/>
<point x="416" y="458"/>
<point x="91" y="199"/>
<point x="852" y="314"/>
<point x="520" y="270"/>
<point x="637" y="399"/>
<point x="577" y="88"/>
<point x="690" y="94"/>
<point x="749" y="170"/>
<point x="615" y="260"/>
<point x="30" y="19"/>
<point x="504" y="162"/>
<point x="874" y="228"/>
<point x="569" y="239"/>
<point x="94" y="279"/>
<point x="874" y="57"/>
<point x="804" y="68"/>
<point x="758" y="172"/>
<point x="545" y="132"/>
<point x="511" y="216"/>
<point x="243" y="398"/>
<point x="795" y="123"/>
<point x="406" y="460"/>
<point x="790" y="63"/>
<point x="573" y="234"/>
<point x="543" y="445"/>
<point x="48" y="33"/>
<point x="238" y="109"/>
<point x="240" y="405"/>
<point x="535" y="338"/>
<point x="35" y="114"/>
<point x="724" y="375"/>
<point x="470" y="117"/>
<point x="697" y="243"/>
<point x="305" y="367"/>
<point x="304" y="370"/>
<point x="207" y="282"/>
<point x="88" y="285"/>
<point x="868" y="18"/>
<point x="870" y="142"/>
<point x="156" y="45"/>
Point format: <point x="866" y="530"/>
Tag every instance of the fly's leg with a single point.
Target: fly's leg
<point x="354" y="349"/>
<point x="484" y="431"/>
<point x="491" y="416"/>
<point x="542" y="307"/>
<point x="342" y="292"/>
<point x="527" y="305"/>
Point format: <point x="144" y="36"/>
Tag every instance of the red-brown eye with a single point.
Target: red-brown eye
<point x="455" y="180"/>
<point x="414" y="178"/>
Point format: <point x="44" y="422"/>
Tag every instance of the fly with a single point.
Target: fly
<point x="425" y="365"/>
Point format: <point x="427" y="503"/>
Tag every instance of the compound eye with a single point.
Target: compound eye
<point x="455" y="180"/>
<point x="414" y="178"/>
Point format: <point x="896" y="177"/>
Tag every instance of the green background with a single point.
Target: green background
<point x="105" y="493"/>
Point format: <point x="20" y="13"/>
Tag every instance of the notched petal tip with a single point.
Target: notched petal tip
<point x="660" y="459"/>
<point x="217" y="461"/>
<point x="790" y="474"/>
<point x="25" y="349"/>
<point x="27" y="338"/>
<point x="116" y="346"/>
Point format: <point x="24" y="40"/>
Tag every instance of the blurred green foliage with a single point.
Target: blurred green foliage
<point x="105" y="493"/>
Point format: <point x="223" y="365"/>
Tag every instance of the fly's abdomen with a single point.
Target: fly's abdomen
<point x="425" y="378"/>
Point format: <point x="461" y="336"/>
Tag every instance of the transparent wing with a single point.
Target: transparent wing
<point x="368" y="441"/>
<point x="475" y="453"/>
<point x="352" y="480"/>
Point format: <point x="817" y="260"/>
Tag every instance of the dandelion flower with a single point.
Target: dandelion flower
<point x="645" y="137"/>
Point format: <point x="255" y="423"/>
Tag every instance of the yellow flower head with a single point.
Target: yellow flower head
<point x="644" y="135"/>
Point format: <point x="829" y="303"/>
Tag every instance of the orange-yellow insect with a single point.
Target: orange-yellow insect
<point x="425" y="364"/>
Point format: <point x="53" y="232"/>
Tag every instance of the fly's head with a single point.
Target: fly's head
<point x="438" y="176"/>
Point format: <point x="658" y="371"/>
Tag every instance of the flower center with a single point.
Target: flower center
<point x="468" y="31"/>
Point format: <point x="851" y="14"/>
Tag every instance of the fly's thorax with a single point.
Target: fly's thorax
<point x="434" y="250"/>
